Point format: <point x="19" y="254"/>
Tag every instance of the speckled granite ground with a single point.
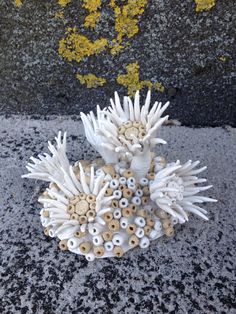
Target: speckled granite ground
<point x="190" y="273"/>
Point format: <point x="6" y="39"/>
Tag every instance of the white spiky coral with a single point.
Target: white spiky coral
<point x="66" y="186"/>
<point x="46" y="167"/>
<point x="117" y="115"/>
<point x="91" y="126"/>
<point x="175" y="187"/>
<point x="102" y="210"/>
<point x="127" y="131"/>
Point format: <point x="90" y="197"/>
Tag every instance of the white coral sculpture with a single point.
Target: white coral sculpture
<point x="130" y="196"/>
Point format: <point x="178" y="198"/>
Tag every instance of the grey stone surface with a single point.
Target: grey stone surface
<point x="193" y="272"/>
<point x="175" y="45"/>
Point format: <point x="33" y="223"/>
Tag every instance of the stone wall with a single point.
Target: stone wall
<point x="61" y="57"/>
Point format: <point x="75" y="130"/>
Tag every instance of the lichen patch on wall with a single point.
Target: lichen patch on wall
<point x="126" y="21"/>
<point x="59" y="14"/>
<point x="75" y="47"/>
<point x="18" y="3"/>
<point x="93" y="7"/>
<point x="223" y="58"/>
<point x="204" y="5"/>
<point x="126" y="18"/>
<point x="131" y="80"/>
<point x="91" y="80"/>
<point x="92" y="19"/>
<point x="63" y="3"/>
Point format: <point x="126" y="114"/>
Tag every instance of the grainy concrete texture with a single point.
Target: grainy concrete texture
<point x="193" y="272"/>
<point x="191" y="53"/>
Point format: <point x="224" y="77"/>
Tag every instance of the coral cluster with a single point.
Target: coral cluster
<point x="130" y="196"/>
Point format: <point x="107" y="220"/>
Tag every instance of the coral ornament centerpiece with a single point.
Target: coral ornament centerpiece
<point x="125" y="199"/>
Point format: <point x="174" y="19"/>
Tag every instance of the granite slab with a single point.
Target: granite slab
<point x="193" y="272"/>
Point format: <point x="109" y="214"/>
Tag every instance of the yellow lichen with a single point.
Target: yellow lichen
<point x="76" y="46"/>
<point x="59" y="14"/>
<point x="132" y="82"/>
<point x="203" y="5"/>
<point x="115" y="47"/>
<point x="92" y="19"/>
<point x="91" y="80"/>
<point x="18" y="3"/>
<point x="126" y="21"/>
<point x="159" y="87"/>
<point x="92" y="5"/>
<point x="63" y="3"/>
<point x="223" y="58"/>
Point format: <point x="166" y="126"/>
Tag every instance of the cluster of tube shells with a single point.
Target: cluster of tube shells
<point x="129" y="196"/>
